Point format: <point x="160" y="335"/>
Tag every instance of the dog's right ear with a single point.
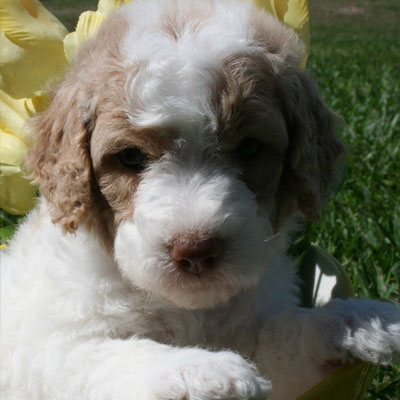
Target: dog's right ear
<point x="60" y="160"/>
<point x="314" y="149"/>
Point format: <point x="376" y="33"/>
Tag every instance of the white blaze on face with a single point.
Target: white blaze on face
<point x="172" y="92"/>
<point x="190" y="190"/>
<point x="177" y="53"/>
<point x="180" y="195"/>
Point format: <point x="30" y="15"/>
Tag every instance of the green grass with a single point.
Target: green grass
<point x="355" y="58"/>
<point x="357" y="66"/>
<point x="356" y="61"/>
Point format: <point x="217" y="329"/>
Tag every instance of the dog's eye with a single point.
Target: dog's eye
<point x="133" y="158"/>
<point x="248" y="148"/>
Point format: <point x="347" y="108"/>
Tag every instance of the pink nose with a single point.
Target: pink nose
<point x="195" y="256"/>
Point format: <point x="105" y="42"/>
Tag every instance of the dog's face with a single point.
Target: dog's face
<point x="186" y="138"/>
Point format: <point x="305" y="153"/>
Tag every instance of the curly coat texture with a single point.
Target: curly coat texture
<point x="173" y="160"/>
<point x="246" y="83"/>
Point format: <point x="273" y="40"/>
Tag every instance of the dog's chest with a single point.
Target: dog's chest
<point x="208" y="329"/>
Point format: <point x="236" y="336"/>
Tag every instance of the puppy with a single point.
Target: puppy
<point x="172" y="163"/>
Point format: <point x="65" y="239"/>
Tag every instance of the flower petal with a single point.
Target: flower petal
<point x="32" y="47"/>
<point x="87" y="26"/>
<point x="13" y="115"/>
<point x="294" y="13"/>
<point x="17" y="194"/>
<point x="12" y="149"/>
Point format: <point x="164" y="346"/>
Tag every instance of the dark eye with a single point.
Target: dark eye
<point x="133" y="158"/>
<point x="248" y="148"/>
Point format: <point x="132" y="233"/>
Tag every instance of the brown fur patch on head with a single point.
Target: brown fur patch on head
<point x="247" y="109"/>
<point x="75" y="157"/>
<point x="314" y="147"/>
<point x="60" y="159"/>
<point x="270" y="100"/>
<point x="113" y="134"/>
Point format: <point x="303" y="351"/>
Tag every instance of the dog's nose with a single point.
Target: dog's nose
<point x="196" y="256"/>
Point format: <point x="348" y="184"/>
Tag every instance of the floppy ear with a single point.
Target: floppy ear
<point x="60" y="160"/>
<point x="314" y="147"/>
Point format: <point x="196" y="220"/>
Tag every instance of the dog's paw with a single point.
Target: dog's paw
<point x="195" y="374"/>
<point x="363" y="329"/>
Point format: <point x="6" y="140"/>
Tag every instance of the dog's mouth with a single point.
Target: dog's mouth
<point x="193" y="291"/>
<point x="203" y="276"/>
<point x="195" y="257"/>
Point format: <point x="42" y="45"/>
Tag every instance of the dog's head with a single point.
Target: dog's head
<point x="186" y="137"/>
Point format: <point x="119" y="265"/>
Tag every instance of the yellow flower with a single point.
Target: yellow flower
<point x="31" y="42"/>
<point x="294" y="13"/>
<point x="17" y="194"/>
<point x="32" y="51"/>
<point x="88" y="23"/>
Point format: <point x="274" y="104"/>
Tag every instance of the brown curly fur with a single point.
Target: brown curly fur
<point x="281" y="106"/>
<point x="60" y="159"/>
<point x="313" y="145"/>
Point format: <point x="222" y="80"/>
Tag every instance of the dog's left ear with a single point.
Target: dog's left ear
<point x="59" y="159"/>
<point x="314" y="147"/>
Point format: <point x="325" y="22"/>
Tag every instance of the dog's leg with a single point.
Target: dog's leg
<point x="140" y="369"/>
<point x="298" y="348"/>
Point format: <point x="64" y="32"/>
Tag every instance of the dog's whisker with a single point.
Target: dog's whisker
<point x="147" y="301"/>
<point x="272" y="237"/>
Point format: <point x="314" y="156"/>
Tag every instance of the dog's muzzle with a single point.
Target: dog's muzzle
<point x="195" y="255"/>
